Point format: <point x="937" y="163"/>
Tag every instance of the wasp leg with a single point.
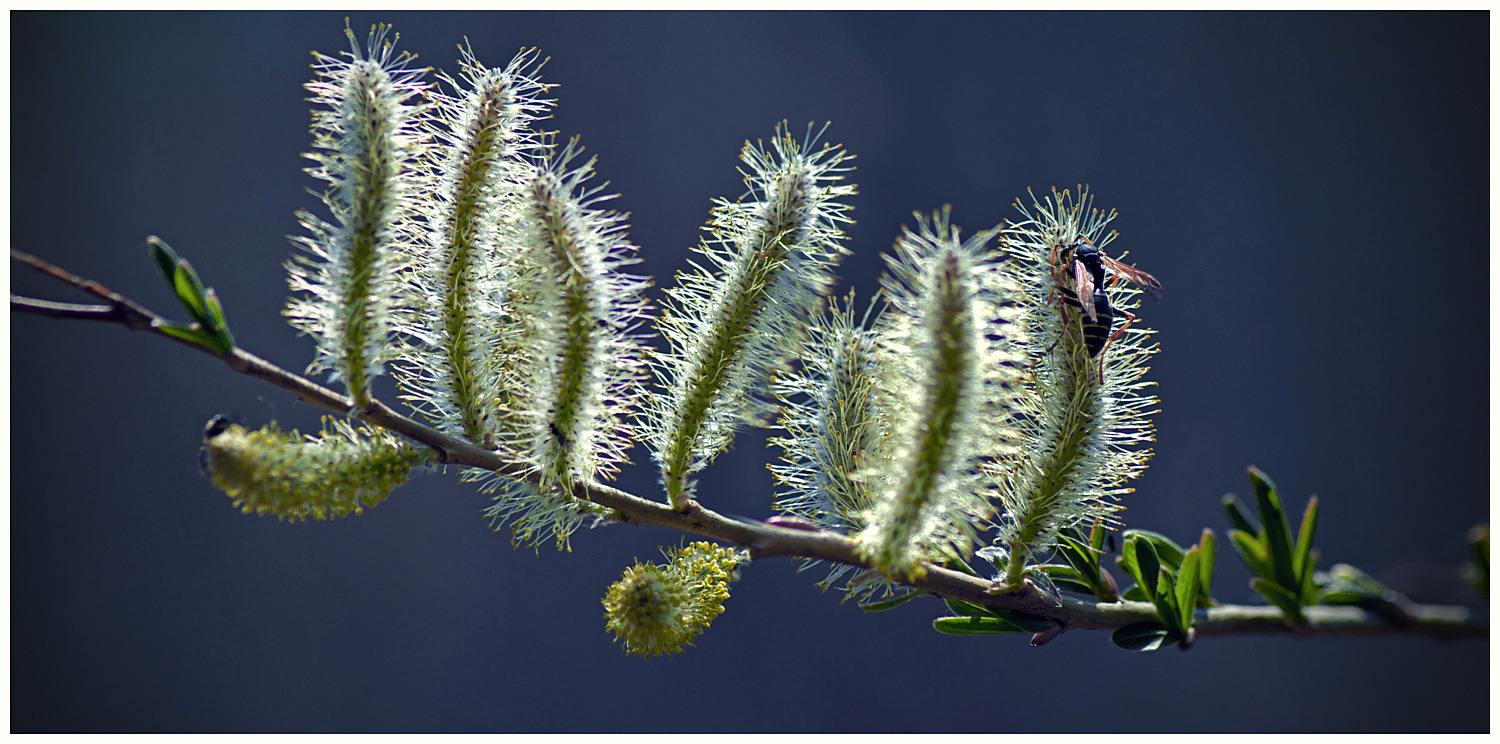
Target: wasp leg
<point x="1061" y="313"/>
<point x="1129" y="318"/>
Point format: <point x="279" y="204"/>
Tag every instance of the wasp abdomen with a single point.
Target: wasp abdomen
<point x="1095" y="332"/>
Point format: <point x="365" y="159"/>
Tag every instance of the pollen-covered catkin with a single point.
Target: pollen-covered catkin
<point x="659" y="609"/>
<point x="342" y="471"/>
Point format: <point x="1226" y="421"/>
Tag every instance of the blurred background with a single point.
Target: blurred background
<point x="1311" y="189"/>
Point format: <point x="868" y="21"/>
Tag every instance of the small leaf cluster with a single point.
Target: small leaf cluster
<point x="208" y="328"/>
<point x="1175" y="581"/>
<point x="1283" y="569"/>
<point x="1080" y="570"/>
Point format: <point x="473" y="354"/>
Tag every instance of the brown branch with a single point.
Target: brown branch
<point x="768" y="540"/>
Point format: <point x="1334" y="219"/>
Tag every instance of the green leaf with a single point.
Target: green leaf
<point x="1168" y="551"/>
<point x="1308" y="589"/>
<point x="968" y="609"/>
<point x="191" y="334"/>
<point x="1145" y="636"/>
<point x="165" y="258"/>
<point x="1301" y="561"/>
<point x="1344" y="578"/>
<point x="1166" y="603"/>
<point x="1135" y="594"/>
<point x="969" y="626"/>
<point x="1083" y="561"/>
<point x="1066" y="577"/>
<point x="1479" y="542"/>
<point x="190" y="293"/>
<point x="1028" y="623"/>
<point x="1187" y="586"/>
<point x="210" y="331"/>
<point x="1146" y="562"/>
<point x="961" y="566"/>
<point x="1097" y="535"/>
<point x="1280" y="597"/>
<point x="1075" y="553"/>
<point x="1126" y="561"/>
<point x="1478" y="571"/>
<point x="1344" y="597"/>
<point x="1273" y="522"/>
<point x="1081" y="587"/>
<point x="1206" y="568"/>
<point x="890" y="604"/>
<point x="1237" y="516"/>
<point x="1251" y="551"/>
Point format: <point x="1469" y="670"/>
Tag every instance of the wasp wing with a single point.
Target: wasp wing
<point x="1140" y="278"/>
<point x="1083" y="285"/>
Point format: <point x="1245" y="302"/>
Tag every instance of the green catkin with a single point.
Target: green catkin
<point x="832" y="425"/>
<point x="340" y="472"/>
<point x="658" y="609"/>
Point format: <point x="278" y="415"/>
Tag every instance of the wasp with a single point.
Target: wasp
<point x="1086" y="264"/>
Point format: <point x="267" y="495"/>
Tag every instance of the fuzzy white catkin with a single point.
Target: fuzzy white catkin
<point x="734" y="323"/>
<point x="484" y="151"/>
<point x="579" y="361"/>
<point x="1083" y="435"/>
<point x="948" y="348"/>
<point x="367" y="139"/>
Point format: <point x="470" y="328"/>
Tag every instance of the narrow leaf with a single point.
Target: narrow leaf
<point x="1145" y="636"/>
<point x="218" y="327"/>
<point x="1237" y="516"/>
<point x="891" y="603"/>
<point x="1206" y="568"/>
<point x="190" y="292"/>
<point x="1096" y="537"/>
<point x="961" y="566"/>
<point x="1167" y="550"/>
<point x="1028" y="623"/>
<point x="1273" y="521"/>
<point x="190" y="334"/>
<point x="1146" y="562"/>
<point x="1166" y="603"/>
<point x="1276" y="595"/>
<point x="1308" y="587"/>
<point x="968" y="609"/>
<point x="969" y="626"/>
<point x="1082" y="562"/>
<point x="1188" y="585"/>
<point x="1300" y="561"/>
<point x="1252" y="551"/>
<point x="164" y="257"/>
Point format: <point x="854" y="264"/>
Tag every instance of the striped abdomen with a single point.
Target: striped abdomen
<point x="1095" y="332"/>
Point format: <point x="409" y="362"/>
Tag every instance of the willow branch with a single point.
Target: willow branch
<point x="766" y="540"/>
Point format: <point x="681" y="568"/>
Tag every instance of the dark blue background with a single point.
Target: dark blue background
<point x="1311" y="189"/>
